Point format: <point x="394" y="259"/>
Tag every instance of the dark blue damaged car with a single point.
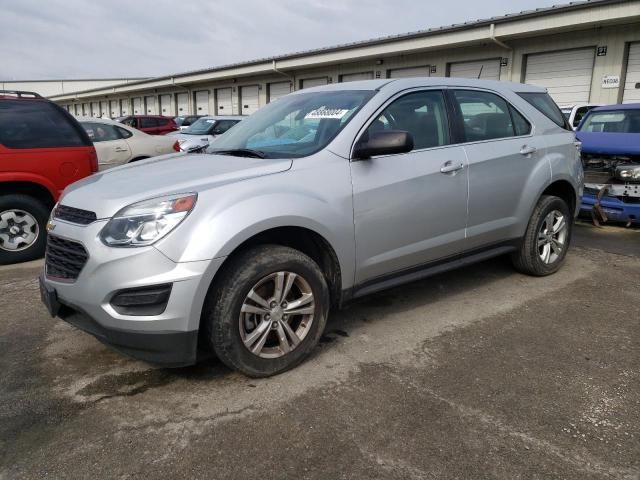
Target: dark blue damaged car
<point x="610" y="137"/>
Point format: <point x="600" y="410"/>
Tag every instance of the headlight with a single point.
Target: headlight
<point x="628" y="172"/>
<point x="146" y="222"/>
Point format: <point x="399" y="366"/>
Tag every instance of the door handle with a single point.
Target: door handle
<point x="450" y="167"/>
<point x="118" y="149"/>
<point x="527" y="150"/>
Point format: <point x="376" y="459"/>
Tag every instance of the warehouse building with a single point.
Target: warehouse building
<point x="585" y="51"/>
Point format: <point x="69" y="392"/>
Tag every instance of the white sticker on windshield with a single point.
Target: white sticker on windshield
<point x="324" y="112"/>
<point x="211" y="121"/>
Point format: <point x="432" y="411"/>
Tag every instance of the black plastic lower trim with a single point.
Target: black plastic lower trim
<point x="165" y="348"/>
<point x="429" y="269"/>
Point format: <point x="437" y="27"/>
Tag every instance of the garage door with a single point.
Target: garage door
<point x="566" y="74"/>
<point x="202" y="102"/>
<point x="223" y="97"/>
<point x="137" y="106"/>
<point x="422" y="71"/>
<point x="278" y="89"/>
<point x="314" y="82"/>
<point x="166" y="105"/>
<point x="95" y="109"/>
<point x="632" y="82"/>
<point x="182" y="101"/>
<point x="354" y="77"/>
<point x="249" y="100"/>
<point x="104" y="108"/>
<point x="125" y="106"/>
<point x="114" y="108"/>
<point x="485" y="69"/>
<point x="150" y="105"/>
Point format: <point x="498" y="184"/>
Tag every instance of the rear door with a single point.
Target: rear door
<point x="111" y="148"/>
<point x="410" y="209"/>
<point x="503" y="154"/>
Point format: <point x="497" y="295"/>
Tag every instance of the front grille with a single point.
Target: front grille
<point x="64" y="258"/>
<point x="75" y="215"/>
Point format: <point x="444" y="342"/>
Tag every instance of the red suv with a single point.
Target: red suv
<point x="42" y="150"/>
<point x="151" y="124"/>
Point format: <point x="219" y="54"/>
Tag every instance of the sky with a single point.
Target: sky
<point x="63" y="39"/>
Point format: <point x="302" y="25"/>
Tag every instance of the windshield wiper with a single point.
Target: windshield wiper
<point x="241" y="152"/>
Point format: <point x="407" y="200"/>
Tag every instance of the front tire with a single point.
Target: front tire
<point x="546" y="241"/>
<point x="267" y="311"/>
<point x="23" y="221"/>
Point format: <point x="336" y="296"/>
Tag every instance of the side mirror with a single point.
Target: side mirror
<point x="383" y="143"/>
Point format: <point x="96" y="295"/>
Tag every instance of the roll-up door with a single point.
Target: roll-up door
<point x="422" y="71"/>
<point x="202" y="102"/>
<point x="95" y="109"/>
<point x="137" y="106"/>
<point x="166" y="105"/>
<point x="354" y="77"/>
<point x="249" y="99"/>
<point x="182" y="101"/>
<point x="632" y="82"/>
<point x="314" y="82"/>
<point x="224" y="101"/>
<point x="104" y="108"/>
<point x="125" y="106"/>
<point x="114" y="108"/>
<point x="278" y="89"/>
<point x="150" y="105"/>
<point x="484" y="69"/>
<point x="566" y="74"/>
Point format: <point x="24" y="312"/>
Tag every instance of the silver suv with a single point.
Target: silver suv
<point x="321" y="197"/>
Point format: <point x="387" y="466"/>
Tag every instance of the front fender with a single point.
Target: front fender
<point x="225" y="218"/>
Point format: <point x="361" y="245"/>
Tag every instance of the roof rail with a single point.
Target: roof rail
<point x="20" y="94"/>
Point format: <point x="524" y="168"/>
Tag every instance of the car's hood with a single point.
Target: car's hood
<point x="188" y="136"/>
<point x="107" y="192"/>
<point x="595" y="143"/>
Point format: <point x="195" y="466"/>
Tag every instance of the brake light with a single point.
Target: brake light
<point x="93" y="160"/>
<point x="176" y="146"/>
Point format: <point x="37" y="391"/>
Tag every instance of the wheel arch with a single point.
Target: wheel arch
<point x="564" y="190"/>
<point x="33" y="189"/>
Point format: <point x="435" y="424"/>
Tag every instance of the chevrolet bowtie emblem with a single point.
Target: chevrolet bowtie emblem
<point x="50" y="226"/>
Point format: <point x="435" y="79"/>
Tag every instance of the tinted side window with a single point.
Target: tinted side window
<point x="148" y="122"/>
<point x="224" y="125"/>
<point x="124" y="133"/>
<point x="520" y="124"/>
<point x="422" y="114"/>
<point x="486" y="116"/>
<point x="545" y="104"/>
<point x="100" y="132"/>
<point x="26" y="124"/>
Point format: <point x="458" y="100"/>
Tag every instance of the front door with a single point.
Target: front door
<point x="410" y="209"/>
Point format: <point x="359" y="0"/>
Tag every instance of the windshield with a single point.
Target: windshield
<point x="620" y="121"/>
<point x="202" y="126"/>
<point x="296" y="125"/>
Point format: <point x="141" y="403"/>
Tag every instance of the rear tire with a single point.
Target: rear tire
<point x="23" y="234"/>
<point x="546" y="241"/>
<point x="247" y="319"/>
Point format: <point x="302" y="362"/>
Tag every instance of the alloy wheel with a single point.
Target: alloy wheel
<point x="552" y="237"/>
<point x="276" y="314"/>
<point x="19" y="230"/>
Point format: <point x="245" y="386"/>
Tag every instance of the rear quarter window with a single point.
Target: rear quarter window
<point x="37" y="124"/>
<point x="545" y="105"/>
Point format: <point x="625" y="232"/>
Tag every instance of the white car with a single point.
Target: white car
<point x="574" y="113"/>
<point x="204" y="131"/>
<point x="117" y="144"/>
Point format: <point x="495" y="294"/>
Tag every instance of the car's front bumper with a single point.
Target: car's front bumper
<point x="615" y="209"/>
<point x="169" y="338"/>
